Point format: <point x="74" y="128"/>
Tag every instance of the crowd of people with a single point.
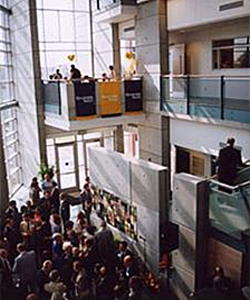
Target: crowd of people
<point x="76" y="74"/>
<point x="46" y="256"/>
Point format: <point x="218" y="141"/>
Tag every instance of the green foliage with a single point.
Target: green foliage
<point x="45" y="169"/>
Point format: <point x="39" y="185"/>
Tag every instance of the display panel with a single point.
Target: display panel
<point x="116" y="212"/>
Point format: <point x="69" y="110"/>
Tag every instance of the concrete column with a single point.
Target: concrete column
<point x="37" y="81"/>
<point x="190" y="213"/>
<point x="119" y="139"/>
<point x="152" y="53"/>
<point x="4" y="193"/>
<point x="116" y="49"/>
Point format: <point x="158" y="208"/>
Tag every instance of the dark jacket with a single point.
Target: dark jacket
<point x="65" y="210"/>
<point x="228" y="161"/>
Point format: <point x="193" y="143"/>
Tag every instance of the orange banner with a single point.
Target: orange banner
<point x="110" y="98"/>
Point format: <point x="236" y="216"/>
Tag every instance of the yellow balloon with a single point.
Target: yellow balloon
<point x="129" y="55"/>
<point x="71" y="57"/>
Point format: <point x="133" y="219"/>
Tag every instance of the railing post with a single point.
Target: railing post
<point x="188" y="94"/>
<point x="161" y="93"/>
<point x="59" y="98"/>
<point x="222" y="84"/>
<point x="98" y="4"/>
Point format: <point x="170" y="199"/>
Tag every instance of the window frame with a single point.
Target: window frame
<point x="216" y="52"/>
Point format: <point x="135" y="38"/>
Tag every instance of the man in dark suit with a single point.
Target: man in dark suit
<point x="26" y="269"/>
<point x="55" y="197"/>
<point x="229" y="160"/>
<point x="5" y="275"/>
<point x="122" y="252"/>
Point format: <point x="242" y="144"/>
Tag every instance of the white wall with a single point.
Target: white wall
<point x="190" y="13"/>
<point x="205" y="137"/>
<point x="199" y="45"/>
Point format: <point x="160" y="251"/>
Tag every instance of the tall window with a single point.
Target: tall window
<point x="8" y="114"/>
<point x="231" y="53"/>
<point x="6" y="81"/>
<point x="64" y="36"/>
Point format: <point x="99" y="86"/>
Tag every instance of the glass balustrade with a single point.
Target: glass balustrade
<point x="96" y="98"/>
<point x="229" y="208"/>
<point x="224" y="98"/>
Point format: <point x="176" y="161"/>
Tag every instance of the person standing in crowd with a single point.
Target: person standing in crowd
<point x="122" y="252"/>
<point x="46" y="183"/>
<point x="228" y="163"/>
<point x="43" y="278"/>
<point x="104" y="285"/>
<point x="55" y="197"/>
<point x="130" y="268"/>
<point x="12" y="213"/>
<point x="55" y="287"/>
<point x="45" y="205"/>
<point x="75" y="73"/>
<point x="12" y="236"/>
<point x="86" y="199"/>
<point x="25" y="267"/>
<point x="34" y="191"/>
<point x="55" y="222"/>
<point x="65" y="209"/>
<point x="82" y="283"/>
<point x="106" y="247"/>
<point x="26" y="227"/>
<point x="5" y="275"/>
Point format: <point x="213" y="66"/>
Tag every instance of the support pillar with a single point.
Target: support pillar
<point x="116" y="49"/>
<point x="152" y="54"/>
<point x="119" y="139"/>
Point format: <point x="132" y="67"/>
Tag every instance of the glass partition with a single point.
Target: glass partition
<point x="174" y="94"/>
<point x="229" y="208"/>
<point x="51" y="96"/>
<point x="237" y="99"/>
<point x="205" y="97"/>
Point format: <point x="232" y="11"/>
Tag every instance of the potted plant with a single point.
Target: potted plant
<point x="45" y="169"/>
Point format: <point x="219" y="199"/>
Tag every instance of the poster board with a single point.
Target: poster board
<point x="85" y="99"/>
<point x="110" y="98"/>
<point x="133" y="96"/>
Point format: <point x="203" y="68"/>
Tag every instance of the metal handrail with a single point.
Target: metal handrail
<point x="230" y="187"/>
<point x="97" y="79"/>
<point x="205" y="76"/>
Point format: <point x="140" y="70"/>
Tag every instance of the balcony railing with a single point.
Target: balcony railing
<point x="106" y="4"/>
<point x="224" y="97"/>
<point x="229" y="206"/>
<point x="80" y="99"/>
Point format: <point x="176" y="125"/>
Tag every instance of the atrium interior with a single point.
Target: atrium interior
<point x="124" y="109"/>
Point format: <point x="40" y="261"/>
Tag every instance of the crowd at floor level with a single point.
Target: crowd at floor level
<point x="46" y="256"/>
